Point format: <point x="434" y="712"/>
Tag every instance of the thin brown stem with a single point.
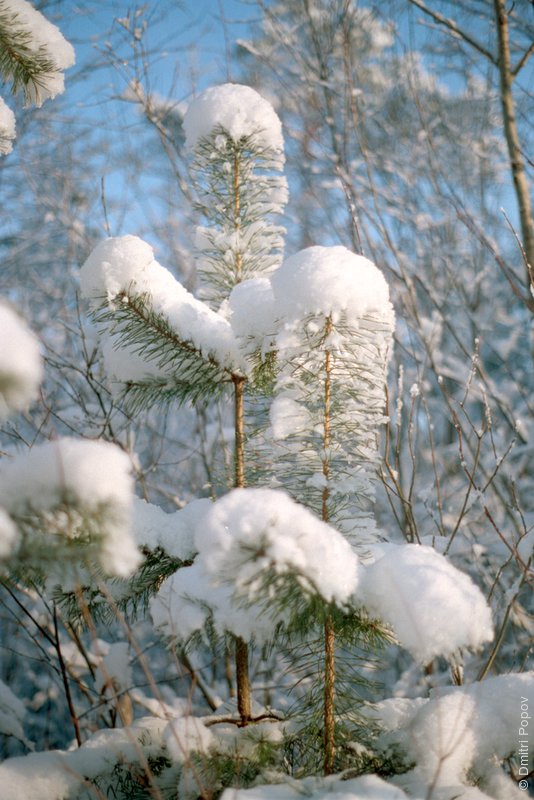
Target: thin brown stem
<point x="329" y="634"/>
<point x="237" y="215"/>
<point x="65" y="680"/>
<point x="329" y="687"/>
<point x="241" y="647"/>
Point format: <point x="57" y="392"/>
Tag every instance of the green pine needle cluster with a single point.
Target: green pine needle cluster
<point x="20" y="62"/>
<point x="187" y="374"/>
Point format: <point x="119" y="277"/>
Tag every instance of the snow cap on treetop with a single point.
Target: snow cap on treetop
<point x="329" y="280"/>
<point x="240" y="110"/>
<point x="21" y="368"/>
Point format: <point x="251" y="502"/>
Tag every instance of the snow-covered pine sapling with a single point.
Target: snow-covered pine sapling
<point x="235" y="138"/>
<point x="335" y="324"/>
<point x="335" y="329"/>
<point x="160" y="342"/>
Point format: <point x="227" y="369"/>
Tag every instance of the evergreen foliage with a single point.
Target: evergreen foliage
<point x="27" y="68"/>
<point x="239" y="192"/>
<point x="307" y="379"/>
<point x="184" y="373"/>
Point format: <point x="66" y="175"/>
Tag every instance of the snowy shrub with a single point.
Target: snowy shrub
<point x="326" y="656"/>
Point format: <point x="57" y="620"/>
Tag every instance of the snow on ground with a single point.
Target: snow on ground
<point x="240" y="110"/>
<point x="21" y="369"/>
<point x="61" y="774"/>
<point x="47" y="40"/>
<point x="462" y="733"/>
<point x="92" y="476"/>
<point x="433" y="608"/>
<point x="366" y="787"/>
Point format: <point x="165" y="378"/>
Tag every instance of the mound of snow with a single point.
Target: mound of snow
<point x="239" y="110"/>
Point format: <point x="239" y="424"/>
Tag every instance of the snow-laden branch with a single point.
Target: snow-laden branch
<point x="69" y="501"/>
<point x="158" y="338"/>
<point x="255" y="548"/>
<point x="33" y="52"/>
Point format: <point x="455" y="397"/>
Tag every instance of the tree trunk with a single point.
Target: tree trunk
<point x="517" y="163"/>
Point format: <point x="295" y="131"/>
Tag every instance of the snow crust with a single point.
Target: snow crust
<point x="433" y="608"/>
<point x="48" y="40"/>
<point x="329" y="280"/>
<point x="7" y="128"/>
<point x="239" y="110"/>
<point x="126" y="264"/>
<point x="93" y="476"/>
<point x="21" y="369"/>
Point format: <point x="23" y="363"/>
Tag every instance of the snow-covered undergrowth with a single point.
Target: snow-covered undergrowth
<point x="284" y="590"/>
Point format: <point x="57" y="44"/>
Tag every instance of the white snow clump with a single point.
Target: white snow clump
<point x="246" y="538"/>
<point x="185" y="735"/>
<point x="8" y="534"/>
<point x="329" y="280"/>
<point x="253" y="314"/>
<point x="239" y="110"/>
<point x="21" y="369"/>
<point x="126" y="265"/>
<point x="44" y="39"/>
<point x="7" y="128"/>
<point x="249" y="532"/>
<point x="460" y="734"/>
<point x="433" y="608"/>
<point x="152" y="527"/>
<point x="89" y="477"/>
